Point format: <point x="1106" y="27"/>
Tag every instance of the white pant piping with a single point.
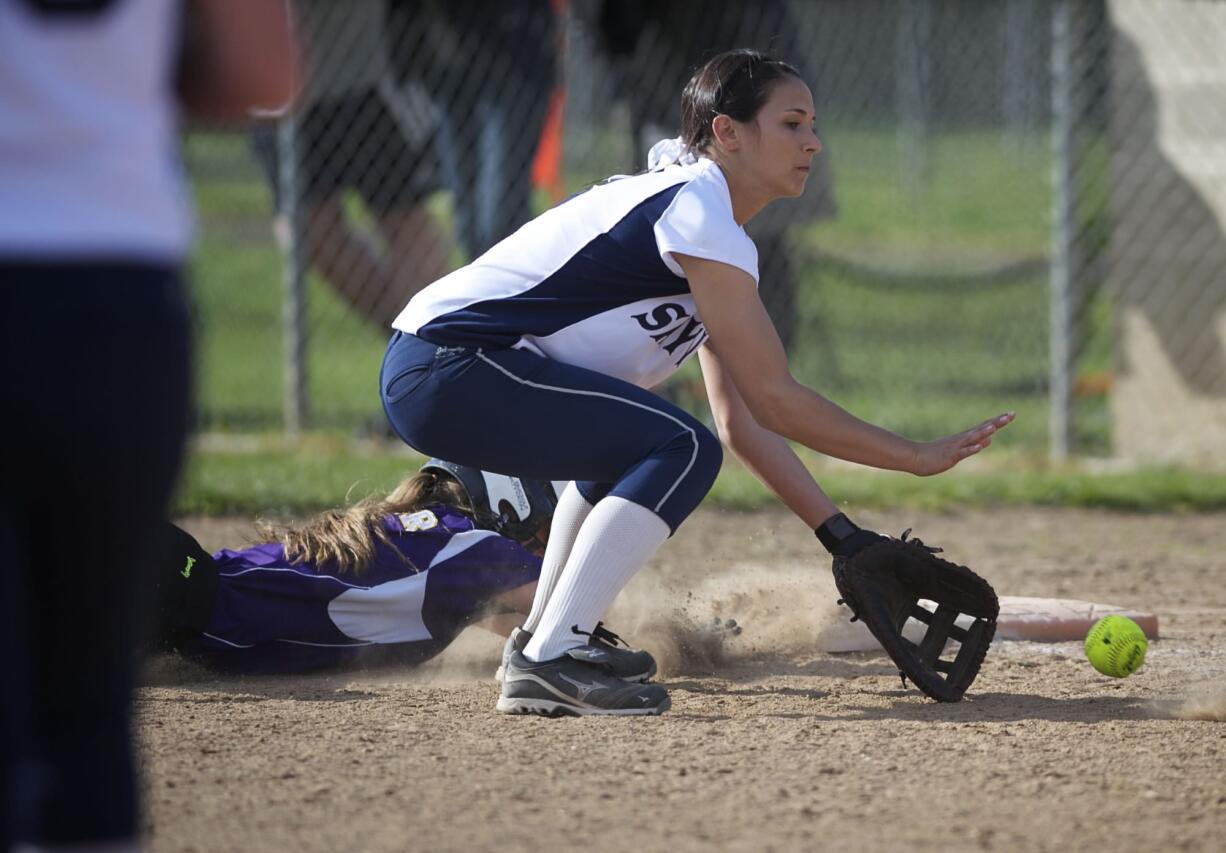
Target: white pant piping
<point x="693" y="436"/>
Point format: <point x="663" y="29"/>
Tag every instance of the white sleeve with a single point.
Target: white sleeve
<point x="699" y="223"/>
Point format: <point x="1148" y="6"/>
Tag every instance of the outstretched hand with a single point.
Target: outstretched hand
<point x="933" y="457"/>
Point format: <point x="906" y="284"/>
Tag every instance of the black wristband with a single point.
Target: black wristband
<point x="834" y="530"/>
<point x="842" y="538"/>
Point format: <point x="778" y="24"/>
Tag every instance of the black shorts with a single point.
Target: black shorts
<point x="96" y="358"/>
<point x="354" y="143"/>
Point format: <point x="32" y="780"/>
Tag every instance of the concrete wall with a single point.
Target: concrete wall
<point x="1168" y="257"/>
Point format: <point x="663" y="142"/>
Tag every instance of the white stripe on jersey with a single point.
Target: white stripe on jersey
<point x="391" y="612"/>
<point x="387" y="613"/>
<point x="459" y="543"/>
<point x="228" y="642"/>
<point x="322" y="645"/>
<point x="304" y="573"/>
<point x="593" y="282"/>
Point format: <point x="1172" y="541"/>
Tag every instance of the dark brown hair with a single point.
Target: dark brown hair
<point x="736" y="84"/>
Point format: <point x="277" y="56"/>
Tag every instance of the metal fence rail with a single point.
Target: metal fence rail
<point x="1020" y="204"/>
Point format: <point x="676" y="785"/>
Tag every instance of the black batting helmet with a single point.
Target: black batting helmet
<point x="513" y="507"/>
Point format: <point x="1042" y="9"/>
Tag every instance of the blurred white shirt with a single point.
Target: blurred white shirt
<point x="89" y="148"/>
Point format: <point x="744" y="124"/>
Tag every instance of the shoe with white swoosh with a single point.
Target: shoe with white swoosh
<point x="578" y="683"/>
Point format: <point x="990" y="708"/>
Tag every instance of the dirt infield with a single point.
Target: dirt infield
<point x="770" y="744"/>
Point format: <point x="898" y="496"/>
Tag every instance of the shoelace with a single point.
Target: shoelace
<point x="600" y="632"/>
<point x="931" y="549"/>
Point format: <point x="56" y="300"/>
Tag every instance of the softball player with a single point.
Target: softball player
<point x="388" y="580"/>
<point x="94" y="348"/>
<point x="537" y="358"/>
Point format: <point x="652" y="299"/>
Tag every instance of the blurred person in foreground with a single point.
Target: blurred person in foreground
<point x="357" y="133"/>
<point x="392" y="579"/>
<point x="95" y="345"/>
<point x="571" y="321"/>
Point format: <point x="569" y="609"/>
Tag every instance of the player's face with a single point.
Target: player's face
<point x="780" y="145"/>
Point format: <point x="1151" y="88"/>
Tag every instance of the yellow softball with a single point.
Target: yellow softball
<point x="1116" y="646"/>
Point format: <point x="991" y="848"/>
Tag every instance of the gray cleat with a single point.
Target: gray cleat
<point x="516" y="642"/>
<point x="626" y="663"/>
<point x="578" y="683"/>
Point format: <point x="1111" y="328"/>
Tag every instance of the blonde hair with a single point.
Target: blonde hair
<point x="347" y="537"/>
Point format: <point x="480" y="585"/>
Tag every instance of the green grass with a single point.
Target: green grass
<point x="976" y="195"/>
<point x="285" y="482"/>
<point x="326" y="474"/>
<point x="238" y="295"/>
<point x="924" y="362"/>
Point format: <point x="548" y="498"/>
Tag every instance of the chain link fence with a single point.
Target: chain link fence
<point x="1020" y="204"/>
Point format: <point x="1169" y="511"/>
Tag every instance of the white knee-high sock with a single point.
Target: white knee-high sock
<point x="614" y="542"/>
<point x="568" y="517"/>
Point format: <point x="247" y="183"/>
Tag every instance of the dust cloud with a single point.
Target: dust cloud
<point x="742" y="614"/>
<point x="1208" y="705"/>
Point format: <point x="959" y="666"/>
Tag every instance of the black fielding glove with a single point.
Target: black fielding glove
<point x="883" y="580"/>
<point x="842" y="538"/>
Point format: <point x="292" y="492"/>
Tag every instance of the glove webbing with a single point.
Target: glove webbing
<point x="942" y="627"/>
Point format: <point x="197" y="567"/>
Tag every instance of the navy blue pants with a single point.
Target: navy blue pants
<point x="95" y="360"/>
<point x="513" y="412"/>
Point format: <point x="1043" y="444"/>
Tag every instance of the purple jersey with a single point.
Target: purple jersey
<point x="436" y="576"/>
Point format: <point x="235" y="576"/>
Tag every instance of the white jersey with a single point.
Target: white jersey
<point x="89" y="162"/>
<point x="593" y="282"/>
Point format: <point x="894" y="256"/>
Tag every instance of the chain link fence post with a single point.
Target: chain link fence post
<point x="1062" y="327"/>
<point x="295" y="403"/>
<point x="914" y="39"/>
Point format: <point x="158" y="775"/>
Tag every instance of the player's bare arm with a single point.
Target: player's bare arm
<point x="766" y="454"/>
<point x="238" y="55"/>
<point x="744" y="340"/>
